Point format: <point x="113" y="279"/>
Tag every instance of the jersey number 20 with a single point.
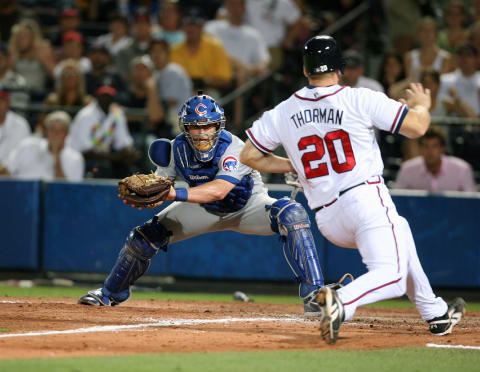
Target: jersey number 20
<point x="319" y="152"/>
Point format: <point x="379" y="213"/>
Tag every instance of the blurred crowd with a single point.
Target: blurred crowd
<point x="85" y="86"/>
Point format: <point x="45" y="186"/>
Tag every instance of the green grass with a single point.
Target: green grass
<point x="79" y="291"/>
<point x="391" y="360"/>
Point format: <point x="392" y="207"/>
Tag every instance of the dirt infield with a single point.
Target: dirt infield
<point x="57" y="327"/>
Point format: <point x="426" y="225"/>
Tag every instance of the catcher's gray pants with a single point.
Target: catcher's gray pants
<point x="186" y="220"/>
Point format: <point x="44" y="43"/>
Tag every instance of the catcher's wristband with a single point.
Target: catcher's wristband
<point x="181" y="194"/>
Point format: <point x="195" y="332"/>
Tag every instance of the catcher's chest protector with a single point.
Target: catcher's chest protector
<point x="194" y="172"/>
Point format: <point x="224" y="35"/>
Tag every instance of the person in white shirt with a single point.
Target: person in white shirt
<point x="48" y="158"/>
<point x="13" y="129"/>
<point x="101" y="133"/>
<point x="277" y="21"/>
<point x="244" y="45"/>
<point x="353" y="74"/>
<point x="460" y="89"/>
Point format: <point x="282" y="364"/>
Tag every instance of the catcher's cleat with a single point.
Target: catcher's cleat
<point x="310" y="305"/>
<point x="333" y="314"/>
<point x="443" y="325"/>
<point x="97" y="298"/>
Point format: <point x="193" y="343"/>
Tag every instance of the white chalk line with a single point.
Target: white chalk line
<point x="453" y="346"/>
<point x="159" y="323"/>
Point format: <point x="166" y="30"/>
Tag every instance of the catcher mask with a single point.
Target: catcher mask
<point x="201" y="119"/>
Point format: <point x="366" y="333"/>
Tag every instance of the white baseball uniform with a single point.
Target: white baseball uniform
<point x="328" y="134"/>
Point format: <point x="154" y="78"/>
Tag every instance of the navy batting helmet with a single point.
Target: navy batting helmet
<point x="202" y="111"/>
<point x="322" y="54"/>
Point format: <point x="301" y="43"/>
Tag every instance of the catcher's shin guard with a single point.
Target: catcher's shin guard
<point x="142" y="244"/>
<point x="290" y="220"/>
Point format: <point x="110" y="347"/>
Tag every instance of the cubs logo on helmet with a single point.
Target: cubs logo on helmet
<point x="230" y="164"/>
<point x="199" y="110"/>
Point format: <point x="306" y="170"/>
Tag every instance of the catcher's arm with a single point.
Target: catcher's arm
<point x="206" y="193"/>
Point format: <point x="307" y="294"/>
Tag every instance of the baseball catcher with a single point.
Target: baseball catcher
<point x="222" y="194"/>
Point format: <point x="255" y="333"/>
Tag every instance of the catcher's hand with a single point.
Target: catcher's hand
<point x="144" y="190"/>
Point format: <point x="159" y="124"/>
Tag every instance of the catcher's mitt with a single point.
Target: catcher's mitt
<point x="144" y="190"/>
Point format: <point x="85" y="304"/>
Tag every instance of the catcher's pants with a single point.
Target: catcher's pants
<point x="186" y="220"/>
<point x="366" y="218"/>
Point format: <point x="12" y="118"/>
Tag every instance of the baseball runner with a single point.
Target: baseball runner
<point x="327" y="131"/>
<point x="223" y="194"/>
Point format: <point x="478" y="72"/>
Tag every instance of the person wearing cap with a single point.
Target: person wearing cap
<point x="48" y="158"/>
<point x="173" y="84"/>
<point x="73" y="49"/>
<point x="13" y="82"/>
<point x="103" y="71"/>
<point x="459" y="90"/>
<point x="100" y="132"/>
<point x="201" y="55"/>
<point x="13" y="129"/>
<point x="117" y="38"/>
<point x="68" y="20"/>
<point x="138" y="45"/>
<point x="354" y="70"/>
<point x="142" y="94"/>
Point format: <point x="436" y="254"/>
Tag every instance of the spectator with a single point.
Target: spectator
<point x="138" y="46"/>
<point x="103" y="71"/>
<point x="278" y="22"/>
<point x="244" y="45"/>
<point x="460" y="89"/>
<point x="429" y="54"/>
<point x="69" y="20"/>
<point x="354" y="70"/>
<point x="73" y="49"/>
<point x="32" y="57"/>
<point x="169" y="27"/>
<point x="13" y="129"/>
<point x="430" y="79"/>
<point x="434" y="171"/>
<point x="474" y="38"/>
<point x="202" y="56"/>
<point x="173" y="84"/>
<point x="117" y="38"/>
<point x="69" y="91"/>
<point x="101" y="133"/>
<point x="455" y="33"/>
<point x="142" y="93"/>
<point x="12" y="82"/>
<point x="391" y="71"/>
<point x="48" y="158"/>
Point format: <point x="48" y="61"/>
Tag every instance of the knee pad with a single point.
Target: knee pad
<point x="290" y="220"/>
<point x="142" y="244"/>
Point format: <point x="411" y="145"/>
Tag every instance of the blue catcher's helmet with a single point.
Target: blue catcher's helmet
<point x="197" y="112"/>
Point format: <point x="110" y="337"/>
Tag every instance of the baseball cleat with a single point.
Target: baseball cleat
<point x="333" y="314"/>
<point x="97" y="298"/>
<point x="443" y="325"/>
<point x="310" y="304"/>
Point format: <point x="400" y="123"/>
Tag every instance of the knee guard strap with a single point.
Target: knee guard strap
<point x="142" y="244"/>
<point x="290" y="220"/>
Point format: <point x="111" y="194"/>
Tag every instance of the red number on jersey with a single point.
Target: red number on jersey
<point x="319" y="152"/>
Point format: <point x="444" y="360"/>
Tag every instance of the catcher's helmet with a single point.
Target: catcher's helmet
<point x="197" y="111"/>
<point x="322" y="54"/>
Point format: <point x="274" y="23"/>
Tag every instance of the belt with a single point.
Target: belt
<point x="343" y="192"/>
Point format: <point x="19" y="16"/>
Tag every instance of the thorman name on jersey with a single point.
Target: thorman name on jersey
<point x="318" y="115"/>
